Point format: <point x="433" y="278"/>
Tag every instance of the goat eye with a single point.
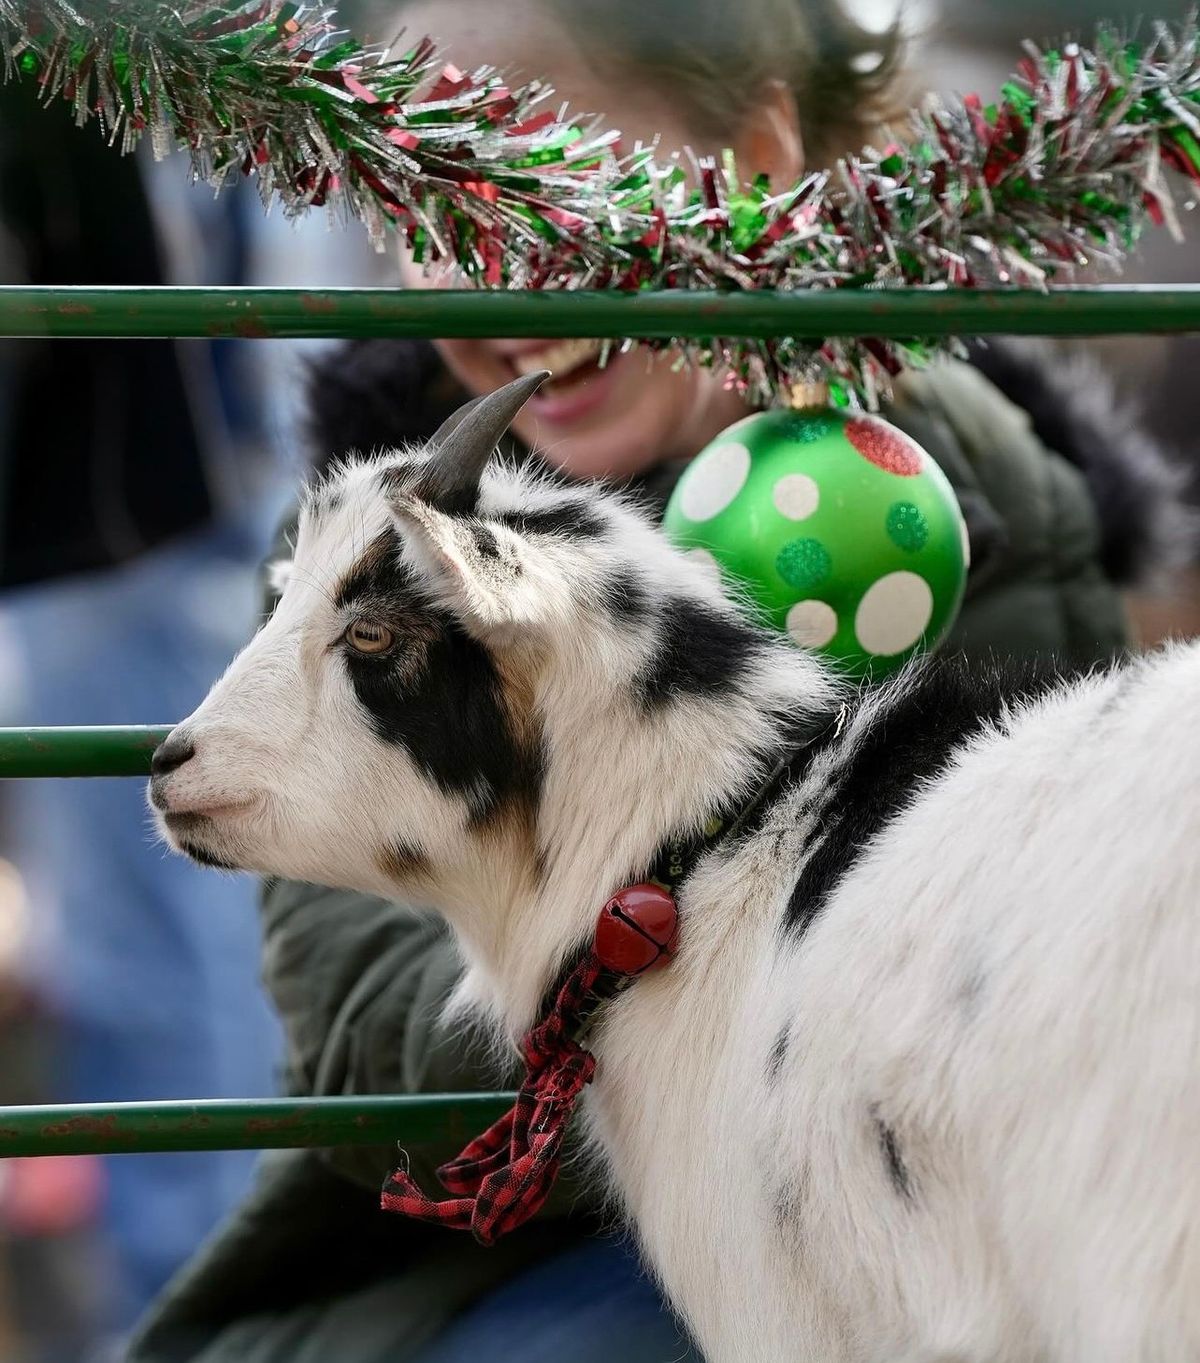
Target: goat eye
<point x="369" y="636"/>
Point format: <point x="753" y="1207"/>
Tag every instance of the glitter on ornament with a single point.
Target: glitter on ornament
<point x="907" y="527"/>
<point x="807" y="427"/>
<point x="886" y="447"/>
<point x="804" y="564"/>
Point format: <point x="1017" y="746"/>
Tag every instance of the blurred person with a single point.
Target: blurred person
<point x="128" y="532"/>
<point x="310" y="1268"/>
<point x="53" y="1269"/>
<point x="975" y="45"/>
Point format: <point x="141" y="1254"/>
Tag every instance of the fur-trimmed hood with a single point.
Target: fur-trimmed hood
<point x="1139" y="490"/>
<point x="376" y="394"/>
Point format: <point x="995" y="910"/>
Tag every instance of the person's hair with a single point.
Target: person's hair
<point x="714" y="56"/>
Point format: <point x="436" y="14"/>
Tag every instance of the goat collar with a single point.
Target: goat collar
<point x="503" y="1177"/>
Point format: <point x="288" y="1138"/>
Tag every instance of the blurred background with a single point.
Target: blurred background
<point x="139" y="483"/>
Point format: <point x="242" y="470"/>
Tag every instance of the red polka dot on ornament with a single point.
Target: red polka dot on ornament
<point x="885" y="447"/>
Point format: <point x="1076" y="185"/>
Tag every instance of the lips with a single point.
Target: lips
<point x="578" y="386"/>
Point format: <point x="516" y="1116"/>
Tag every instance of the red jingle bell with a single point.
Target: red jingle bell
<point x="638" y="929"/>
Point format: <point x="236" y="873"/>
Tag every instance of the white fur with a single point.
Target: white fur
<point x="1010" y="974"/>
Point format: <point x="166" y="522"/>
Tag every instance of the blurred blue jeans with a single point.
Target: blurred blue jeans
<point x="151" y="963"/>
<point x="591" y="1304"/>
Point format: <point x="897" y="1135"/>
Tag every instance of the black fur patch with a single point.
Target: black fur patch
<point x="395" y="478"/>
<point x="893" y="1160"/>
<point x="436" y="692"/>
<point x="402" y="860"/>
<point x="377" y="576"/>
<point x="325" y="501"/>
<point x="701" y="652"/>
<point x="910" y="741"/>
<point x="792" y="1201"/>
<point x="778" y="1053"/>
<point x="624" y="596"/>
<point x="486" y="541"/>
<point x="571" y="520"/>
<point x="801" y="741"/>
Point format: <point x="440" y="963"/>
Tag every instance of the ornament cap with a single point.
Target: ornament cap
<point x="807" y="394"/>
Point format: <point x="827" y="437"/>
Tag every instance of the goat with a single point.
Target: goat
<point x="923" y="1081"/>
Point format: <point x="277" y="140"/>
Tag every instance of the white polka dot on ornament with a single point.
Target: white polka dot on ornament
<point x="812" y="624"/>
<point x="714" y="481"/>
<point x="966" y="543"/>
<point x="796" y="496"/>
<point x="893" y="614"/>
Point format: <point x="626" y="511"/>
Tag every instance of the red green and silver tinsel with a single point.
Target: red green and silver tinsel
<point x="1062" y="172"/>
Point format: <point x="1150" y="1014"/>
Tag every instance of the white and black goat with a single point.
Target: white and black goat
<point x="923" y="1082"/>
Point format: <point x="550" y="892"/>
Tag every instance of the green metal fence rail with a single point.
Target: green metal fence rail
<point x="252" y="1124"/>
<point x="131" y="313"/>
<point x="85" y="750"/>
<point x="274" y="313"/>
<point x="266" y="1124"/>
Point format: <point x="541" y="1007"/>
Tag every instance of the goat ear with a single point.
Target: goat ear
<point x="461" y="561"/>
<point x="464" y="444"/>
<point x="491" y="575"/>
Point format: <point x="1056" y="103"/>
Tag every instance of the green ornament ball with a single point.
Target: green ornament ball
<point x="845" y="532"/>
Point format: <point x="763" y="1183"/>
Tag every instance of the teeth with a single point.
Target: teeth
<point x="561" y="358"/>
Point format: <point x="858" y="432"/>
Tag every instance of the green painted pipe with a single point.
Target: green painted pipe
<point x="80" y="751"/>
<point x="246" y="1124"/>
<point x="901" y="312"/>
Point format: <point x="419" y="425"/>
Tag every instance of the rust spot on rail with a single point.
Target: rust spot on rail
<point x="259" y="1125"/>
<point x="104" y="1127"/>
<point x="251" y="329"/>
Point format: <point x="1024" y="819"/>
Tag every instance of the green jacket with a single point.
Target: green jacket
<point x="308" y="1268"/>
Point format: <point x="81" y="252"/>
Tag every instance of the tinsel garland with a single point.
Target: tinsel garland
<point x="1061" y="173"/>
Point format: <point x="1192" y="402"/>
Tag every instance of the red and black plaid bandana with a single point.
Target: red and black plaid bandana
<point x="504" y="1176"/>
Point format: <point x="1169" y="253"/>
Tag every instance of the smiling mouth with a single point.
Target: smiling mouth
<point x="569" y="362"/>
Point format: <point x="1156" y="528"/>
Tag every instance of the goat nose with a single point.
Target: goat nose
<point x="172" y="753"/>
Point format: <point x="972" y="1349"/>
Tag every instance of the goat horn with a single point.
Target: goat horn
<point x="452" y="422"/>
<point x="466" y="441"/>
